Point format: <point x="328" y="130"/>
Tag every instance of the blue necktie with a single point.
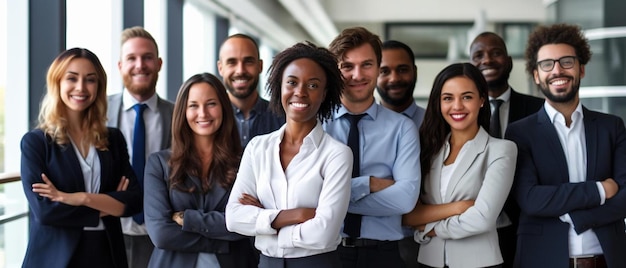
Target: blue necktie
<point x="352" y="222"/>
<point x="139" y="150"/>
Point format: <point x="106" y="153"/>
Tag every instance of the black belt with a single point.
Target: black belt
<point x="350" y="242"/>
<point x="596" y="261"/>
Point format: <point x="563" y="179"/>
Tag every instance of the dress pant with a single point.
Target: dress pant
<point x="409" y="250"/>
<point x="385" y="254"/>
<point x="507" y="238"/>
<point x="138" y="250"/>
<point x="328" y="259"/>
<point x="93" y="251"/>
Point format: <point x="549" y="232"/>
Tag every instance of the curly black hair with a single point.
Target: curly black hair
<point x="325" y="59"/>
<point x="556" y="34"/>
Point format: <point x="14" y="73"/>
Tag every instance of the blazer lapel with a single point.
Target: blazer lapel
<point x="591" y="137"/>
<point x="166" y="117"/>
<point x="105" y="172"/>
<point x="546" y="133"/>
<point x="471" y="151"/>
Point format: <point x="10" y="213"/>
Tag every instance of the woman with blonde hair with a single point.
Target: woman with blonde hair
<point x="75" y="171"/>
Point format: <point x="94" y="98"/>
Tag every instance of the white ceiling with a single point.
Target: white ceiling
<point x="284" y="22"/>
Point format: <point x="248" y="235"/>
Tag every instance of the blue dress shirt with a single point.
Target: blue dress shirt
<point x="390" y="148"/>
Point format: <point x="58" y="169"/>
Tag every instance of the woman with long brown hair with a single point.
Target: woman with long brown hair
<point x="187" y="187"/>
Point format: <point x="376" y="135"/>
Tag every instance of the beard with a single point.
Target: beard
<point x="142" y="90"/>
<point x="569" y="96"/>
<point x="404" y="98"/>
<point x="242" y="94"/>
<point x="500" y="82"/>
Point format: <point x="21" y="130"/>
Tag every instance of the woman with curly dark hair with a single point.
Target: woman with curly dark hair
<point x="293" y="185"/>
<point x="187" y="187"/>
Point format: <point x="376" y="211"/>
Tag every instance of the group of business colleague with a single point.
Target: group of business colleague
<point x="339" y="180"/>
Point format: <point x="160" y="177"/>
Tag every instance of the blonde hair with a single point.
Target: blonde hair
<point x="140" y="32"/>
<point x="52" y="115"/>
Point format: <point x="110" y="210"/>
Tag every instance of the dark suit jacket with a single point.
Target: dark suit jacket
<point x="166" y="108"/>
<point x="204" y="228"/>
<point x="544" y="193"/>
<point x="521" y="105"/>
<point x="55" y="228"/>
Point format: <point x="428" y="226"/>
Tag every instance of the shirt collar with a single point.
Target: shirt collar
<point x="128" y="101"/>
<point x="506" y="96"/>
<point x="411" y="110"/>
<point x="372" y="111"/>
<point x="553" y="113"/>
<point x="314" y="137"/>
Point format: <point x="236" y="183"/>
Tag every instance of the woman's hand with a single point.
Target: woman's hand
<point x="247" y="199"/>
<point x="123" y="185"/>
<point x="179" y="217"/>
<point x="48" y="190"/>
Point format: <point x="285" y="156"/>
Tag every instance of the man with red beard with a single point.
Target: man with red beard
<point x="139" y="66"/>
<point x="240" y="66"/>
<point x="395" y="85"/>
<point x="396" y="81"/>
<point x="570" y="177"/>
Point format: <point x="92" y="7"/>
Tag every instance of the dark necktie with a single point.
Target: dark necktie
<point x="139" y="150"/>
<point x="495" y="129"/>
<point x="352" y="222"/>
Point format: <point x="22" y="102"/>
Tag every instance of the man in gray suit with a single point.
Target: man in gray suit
<point x="139" y="67"/>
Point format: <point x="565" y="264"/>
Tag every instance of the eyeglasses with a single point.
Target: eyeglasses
<point x="566" y="62"/>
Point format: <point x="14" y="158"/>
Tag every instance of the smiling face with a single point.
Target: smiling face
<point x="303" y="89"/>
<point x="460" y="104"/>
<point x="79" y="85"/>
<point x="359" y="68"/>
<point x="240" y="66"/>
<point x="397" y="77"/>
<point x="488" y="54"/>
<point x="139" y="67"/>
<point x="204" y="110"/>
<point x="559" y="85"/>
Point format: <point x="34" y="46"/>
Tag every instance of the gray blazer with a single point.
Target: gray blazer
<point x="484" y="173"/>
<point x="204" y="227"/>
<point x="166" y="109"/>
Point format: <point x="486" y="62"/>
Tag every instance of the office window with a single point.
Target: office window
<point x="436" y="41"/>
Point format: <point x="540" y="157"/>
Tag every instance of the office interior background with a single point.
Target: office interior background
<point x="189" y="32"/>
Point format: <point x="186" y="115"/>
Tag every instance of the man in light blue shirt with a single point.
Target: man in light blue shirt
<point x="395" y="85"/>
<point x="387" y="183"/>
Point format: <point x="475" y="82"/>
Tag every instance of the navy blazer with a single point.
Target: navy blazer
<point x="523" y="105"/>
<point x="204" y="228"/>
<point x="55" y="228"/>
<point x="544" y="193"/>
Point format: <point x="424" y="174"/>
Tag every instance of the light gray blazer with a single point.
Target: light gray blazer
<point x="484" y="173"/>
<point x="166" y="109"/>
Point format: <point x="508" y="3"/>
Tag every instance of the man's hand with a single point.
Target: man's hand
<point x="610" y="187"/>
<point x="379" y="184"/>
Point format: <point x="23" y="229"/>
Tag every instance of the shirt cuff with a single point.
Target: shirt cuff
<point x="360" y="188"/>
<point x="288" y="235"/>
<point x="264" y="221"/>
<point x="566" y="218"/>
<point x="602" y="192"/>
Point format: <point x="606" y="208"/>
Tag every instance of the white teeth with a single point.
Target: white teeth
<point x="558" y="82"/>
<point x="488" y="71"/>
<point x="299" y="105"/>
<point x="79" y="97"/>
<point x="458" y="116"/>
<point x="240" y="81"/>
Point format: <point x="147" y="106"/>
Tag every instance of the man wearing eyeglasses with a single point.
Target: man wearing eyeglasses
<point x="571" y="166"/>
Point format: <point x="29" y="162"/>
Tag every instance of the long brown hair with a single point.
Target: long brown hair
<point x="435" y="129"/>
<point x="52" y="115"/>
<point x="185" y="160"/>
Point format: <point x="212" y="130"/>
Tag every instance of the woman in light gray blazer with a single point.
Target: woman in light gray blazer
<point x="467" y="174"/>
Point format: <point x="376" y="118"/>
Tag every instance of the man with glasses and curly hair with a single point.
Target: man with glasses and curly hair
<point x="570" y="174"/>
